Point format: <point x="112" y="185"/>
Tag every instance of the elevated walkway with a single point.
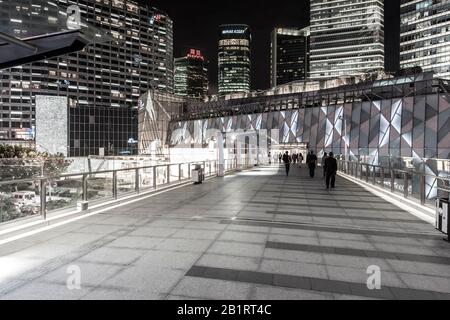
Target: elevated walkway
<point x="253" y="235"/>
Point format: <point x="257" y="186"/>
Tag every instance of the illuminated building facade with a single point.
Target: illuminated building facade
<point x="106" y="75"/>
<point x="289" y="55"/>
<point x="234" y="59"/>
<point x="347" y="37"/>
<point x="425" y="36"/>
<point x="191" y="75"/>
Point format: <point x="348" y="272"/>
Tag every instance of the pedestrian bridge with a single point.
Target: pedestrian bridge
<point x="256" y="234"/>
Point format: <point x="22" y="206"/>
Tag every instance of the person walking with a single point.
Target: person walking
<point x="311" y="160"/>
<point x="300" y="160"/>
<point x="331" y="165"/>
<point x="280" y="157"/>
<point x="324" y="167"/>
<point x="287" y="159"/>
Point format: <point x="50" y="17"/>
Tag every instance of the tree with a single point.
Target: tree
<point x="17" y="162"/>
<point x="8" y="210"/>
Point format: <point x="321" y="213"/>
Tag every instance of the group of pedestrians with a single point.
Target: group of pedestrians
<point x="295" y="158"/>
<point x="328" y="163"/>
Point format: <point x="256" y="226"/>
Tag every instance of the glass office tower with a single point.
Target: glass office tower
<point x="234" y="59"/>
<point x="347" y="37"/>
<point x="289" y="55"/>
<point x="112" y="74"/>
<point x="191" y="75"/>
<point x="425" y="36"/>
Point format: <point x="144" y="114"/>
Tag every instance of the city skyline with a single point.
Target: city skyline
<point x="202" y="33"/>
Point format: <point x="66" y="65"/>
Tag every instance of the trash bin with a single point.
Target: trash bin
<point x="442" y="215"/>
<point x="197" y="174"/>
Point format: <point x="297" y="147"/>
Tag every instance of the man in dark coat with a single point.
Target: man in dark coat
<point x="287" y="159"/>
<point x="331" y="170"/>
<point x="311" y="160"/>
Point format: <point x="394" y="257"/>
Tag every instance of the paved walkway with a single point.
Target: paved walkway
<point x="255" y="235"/>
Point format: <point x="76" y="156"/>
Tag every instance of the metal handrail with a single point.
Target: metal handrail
<point x="212" y="165"/>
<point x="352" y="168"/>
<point x="69" y="175"/>
<point x="398" y="170"/>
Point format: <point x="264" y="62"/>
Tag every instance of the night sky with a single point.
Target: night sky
<point x="196" y="22"/>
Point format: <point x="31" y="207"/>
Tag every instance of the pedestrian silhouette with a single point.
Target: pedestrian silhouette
<point x="287" y="159"/>
<point x="324" y="167"/>
<point x="331" y="165"/>
<point x="311" y="160"/>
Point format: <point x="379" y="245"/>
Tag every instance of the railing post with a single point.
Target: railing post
<point x="114" y="185"/>
<point x="382" y="176"/>
<point x="210" y="168"/>
<point x="392" y="181"/>
<point x="179" y="172"/>
<point x="189" y="170"/>
<point x="168" y="174"/>
<point x="361" y="173"/>
<point x="154" y="177"/>
<point x="422" y="189"/>
<point x="367" y="173"/>
<point x="405" y="184"/>
<point x="43" y="198"/>
<point x="136" y="180"/>
<point x="85" y="187"/>
<point x="374" y="177"/>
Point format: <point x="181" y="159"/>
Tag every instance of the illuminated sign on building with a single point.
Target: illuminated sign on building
<point x="240" y="31"/>
<point x="195" y="54"/>
<point x="155" y="18"/>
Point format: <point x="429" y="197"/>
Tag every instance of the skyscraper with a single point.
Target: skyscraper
<point x="234" y="59"/>
<point x="191" y="75"/>
<point x="112" y="74"/>
<point x="425" y="36"/>
<point x="347" y="37"/>
<point x="289" y="55"/>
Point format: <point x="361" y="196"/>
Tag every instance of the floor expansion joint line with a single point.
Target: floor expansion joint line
<point x="336" y="216"/>
<point x="358" y="252"/>
<point x="313" y="284"/>
<point x="300" y="226"/>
